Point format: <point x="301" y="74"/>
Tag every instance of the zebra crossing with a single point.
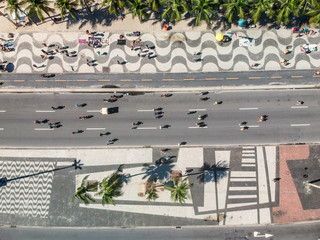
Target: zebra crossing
<point x="243" y="189"/>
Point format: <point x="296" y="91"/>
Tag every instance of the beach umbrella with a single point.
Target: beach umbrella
<point x="242" y="22"/>
<point x="219" y="37"/>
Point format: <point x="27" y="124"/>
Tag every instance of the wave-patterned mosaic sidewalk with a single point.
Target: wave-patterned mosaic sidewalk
<point x="170" y="52"/>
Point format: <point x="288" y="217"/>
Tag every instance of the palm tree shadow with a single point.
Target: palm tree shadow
<point x="159" y="171"/>
<point x="209" y="173"/>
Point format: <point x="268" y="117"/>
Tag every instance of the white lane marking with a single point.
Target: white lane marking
<point x="95" y="129"/>
<point x="300" y="125"/>
<point x="2" y="110"/>
<point x="253" y="126"/>
<point x="197" y="110"/>
<point x="146" y="128"/>
<point x="44" y="129"/>
<point x="93" y="110"/>
<point x="1" y="129"/>
<point x="199" y="127"/>
<point x="299" y="107"/>
<point x="46" y="111"/>
<point x="145" y="110"/>
<point x="248" y="109"/>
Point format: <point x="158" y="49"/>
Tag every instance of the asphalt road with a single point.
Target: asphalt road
<point x="305" y="231"/>
<point x="133" y="80"/>
<point x="286" y="121"/>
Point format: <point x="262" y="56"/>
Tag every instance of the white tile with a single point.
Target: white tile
<point x="243" y="174"/>
<point x="248" y="160"/>
<point x="243" y="188"/>
<point x="210" y="202"/>
<point x="190" y="158"/>
<point x="272" y="163"/>
<point x="262" y="177"/>
<point x="248" y="165"/>
<point x="242" y="217"/>
<point x="243" y="179"/>
<point x="248" y="155"/>
<point x="265" y="217"/>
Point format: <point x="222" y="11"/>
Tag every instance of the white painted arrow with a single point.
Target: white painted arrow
<point x="267" y="235"/>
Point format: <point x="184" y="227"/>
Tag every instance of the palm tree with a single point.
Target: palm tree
<point x="115" y="6"/>
<point x="179" y="190"/>
<point x="307" y="4"/>
<point x="202" y="9"/>
<point x="152" y="194"/>
<point x="174" y="9"/>
<point x="39" y="6"/>
<point x="235" y="7"/>
<point x="110" y="188"/>
<point x="315" y="14"/>
<point x="139" y="8"/>
<point x="262" y="6"/>
<point x="154" y="5"/>
<point x="85" y="3"/>
<point x="82" y="194"/>
<point x="286" y="9"/>
<point x="66" y="5"/>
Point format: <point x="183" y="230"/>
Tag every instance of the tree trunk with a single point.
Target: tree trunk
<point x="87" y="6"/>
<point x="50" y="17"/>
<point x="28" y="16"/>
<point x="1" y="14"/>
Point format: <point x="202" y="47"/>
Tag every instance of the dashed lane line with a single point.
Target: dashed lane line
<point x="58" y="80"/>
<point x="2" y="111"/>
<point x="104" y="80"/>
<point x="93" y="110"/>
<point x="146" y="80"/>
<point x="300" y="125"/>
<point x="167" y="79"/>
<point x="42" y="80"/>
<point x="145" y="110"/>
<point x="18" y="80"/>
<point x="199" y="127"/>
<point x="200" y="110"/>
<point x="44" y="129"/>
<point x="83" y="80"/>
<point x="316" y="76"/>
<point x="254" y="77"/>
<point x="276" y="77"/>
<point x="146" y="128"/>
<point x="253" y="126"/>
<point x="1" y="129"/>
<point x="45" y="111"/>
<point x="241" y="109"/>
<point x="299" y="107"/>
<point x="210" y="78"/>
<point x="296" y="76"/>
<point x="232" y="78"/>
<point x="125" y="80"/>
<point x="93" y="129"/>
<point x="188" y="79"/>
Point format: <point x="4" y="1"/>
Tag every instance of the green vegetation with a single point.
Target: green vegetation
<point x="82" y="194"/>
<point x="179" y="191"/>
<point x="278" y="11"/>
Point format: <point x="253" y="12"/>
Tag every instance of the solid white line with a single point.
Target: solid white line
<point x="146" y="128"/>
<point x="199" y="127"/>
<point x="197" y="110"/>
<point x="253" y="126"/>
<point x="242" y="196"/>
<point x="300" y="125"/>
<point x="300" y="107"/>
<point x="44" y="129"/>
<point x="248" y="108"/>
<point x="93" y="110"/>
<point x="145" y="110"/>
<point x="47" y="111"/>
<point x="2" y="110"/>
<point x="95" y="129"/>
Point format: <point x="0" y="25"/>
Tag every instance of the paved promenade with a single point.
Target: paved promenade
<point x="231" y="186"/>
<point x="168" y="52"/>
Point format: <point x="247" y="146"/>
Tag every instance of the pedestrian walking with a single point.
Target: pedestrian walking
<point x="139" y="55"/>
<point x="149" y="56"/>
<point x="44" y="44"/>
<point x="35" y="66"/>
<point x="147" y="46"/>
<point x="118" y="62"/>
